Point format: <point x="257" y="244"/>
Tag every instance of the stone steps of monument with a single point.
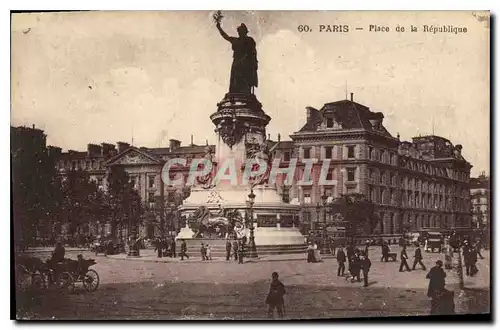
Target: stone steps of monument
<point x="219" y="248"/>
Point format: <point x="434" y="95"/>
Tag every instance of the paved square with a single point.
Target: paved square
<point x="138" y="289"/>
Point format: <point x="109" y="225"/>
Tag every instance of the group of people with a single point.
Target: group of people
<point x="358" y="261"/>
<point x="206" y="252"/>
<point x="235" y="249"/>
<point x="470" y="253"/>
<point x="165" y="247"/>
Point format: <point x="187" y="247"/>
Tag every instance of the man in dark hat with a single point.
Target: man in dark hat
<point x="228" y="250"/>
<point x="404" y="257"/>
<point x="274" y="298"/>
<point x="341" y="261"/>
<point x="183" y="249"/>
<point x="418" y="258"/>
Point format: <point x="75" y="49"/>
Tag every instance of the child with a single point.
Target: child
<point x="209" y="252"/>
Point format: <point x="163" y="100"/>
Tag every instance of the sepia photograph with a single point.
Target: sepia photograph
<point x="250" y="165"/>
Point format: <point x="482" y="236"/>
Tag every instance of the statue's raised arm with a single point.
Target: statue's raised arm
<point x="223" y="33"/>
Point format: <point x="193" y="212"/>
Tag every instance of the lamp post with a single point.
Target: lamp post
<point x="133" y="250"/>
<point x="324" y="245"/>
<point x="252" y="249"/>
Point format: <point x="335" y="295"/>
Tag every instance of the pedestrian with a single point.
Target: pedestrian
<point x="436" y="290"/>
<point x="240" y="252"/>
<point x="158" y="247"/>
<point x="310" y="253"/>
<point x="418" y="258"/>
<point x="208" y="252"/>
<point x="228" y="250"/>
<point x="385" y="252"/>
<point x="365" y="264"/>
<point x="367" y="247"/>
<point x="183" y="249"/>
<point x="235" y="250"/>
<point x="341" y="261"/>
<point x="355" y="267"/>
<point x="274" y="298"/>
<point x="404" y="257"/>
<point x="448" y="257"/>
<point x="467" y="254"/>
<point x="203" y="252"/>
<point x="477" y="247"/>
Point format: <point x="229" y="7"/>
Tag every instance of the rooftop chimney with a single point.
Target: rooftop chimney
<point x="33" y="126"/>
<point x="107" y="149"/>
<point x="174" y="144"/>
<point x="122" y="146"/>
<point x="94" y="150"/>
<point x="192" y="144"/>
<point x="279" y="137"/>
<point x="352" y="97"/>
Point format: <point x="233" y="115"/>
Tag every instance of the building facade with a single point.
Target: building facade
<point x="422" y="184"/>
<point x="480" y="197"/>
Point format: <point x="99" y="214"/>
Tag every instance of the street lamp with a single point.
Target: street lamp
<point x="133" y="250"/>
<point x="252" y="249"/>
<point x="324" y="246"/>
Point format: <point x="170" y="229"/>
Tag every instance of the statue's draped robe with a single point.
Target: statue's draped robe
<point x="244" y="68"/>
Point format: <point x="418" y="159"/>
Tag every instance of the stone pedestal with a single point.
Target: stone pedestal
<point x="241" y="127"/>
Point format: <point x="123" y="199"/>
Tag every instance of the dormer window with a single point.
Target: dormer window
<point x="329" y="122"/>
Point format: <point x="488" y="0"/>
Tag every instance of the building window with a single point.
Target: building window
<point x="307" y="196"/>
<point x="370" y="174"/>
<point x="350" y="152"/>
<point x="286" y="156"/>
<point x="307" y="153"/>
<point x="370" y="153"/>
<point x="382" y="176"/>
<point x="382" y="156"/>
<point x="151" y="181"/>
<point x="151" y="198"/>
<point x="329" y="122"/>
<point x="393" y="159"/>
<point x="329" y="174"/>
<point x="351" y="174"/>
<point x="328" y="152"/>
<point x="371" y="194"/>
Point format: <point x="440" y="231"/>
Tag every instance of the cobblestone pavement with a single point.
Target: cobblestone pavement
<point x="216" y="290"/>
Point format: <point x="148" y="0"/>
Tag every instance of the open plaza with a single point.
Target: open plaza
<point x="152" y="288"/>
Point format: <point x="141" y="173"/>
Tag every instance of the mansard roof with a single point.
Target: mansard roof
<point x="348" y="114"/>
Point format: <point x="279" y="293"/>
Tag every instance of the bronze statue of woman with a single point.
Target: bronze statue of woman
<point x="244" y="68"/>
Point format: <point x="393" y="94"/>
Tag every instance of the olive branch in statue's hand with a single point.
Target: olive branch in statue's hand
<point x="217" y="17"/>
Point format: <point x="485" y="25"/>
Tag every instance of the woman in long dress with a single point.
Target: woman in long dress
<point x="317" y="254"/>
<point x="310" y="253"/>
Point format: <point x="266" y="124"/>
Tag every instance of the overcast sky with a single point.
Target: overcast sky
<point x="108" y="76"/>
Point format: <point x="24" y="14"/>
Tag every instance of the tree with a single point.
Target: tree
<point x="358" y="213"/>
<point x="34" y="186"/>
<point x="81" y="202"/>
<point x="123" y="203"/>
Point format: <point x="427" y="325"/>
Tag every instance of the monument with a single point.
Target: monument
<point x="251" y="209"/>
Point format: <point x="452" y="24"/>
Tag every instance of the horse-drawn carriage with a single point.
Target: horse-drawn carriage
<point x="60" y="275"/>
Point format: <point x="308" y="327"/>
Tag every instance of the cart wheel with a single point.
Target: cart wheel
<point x="66" y="282"/>
<point x="91" y="280"/>
<point x="37" y="283"/>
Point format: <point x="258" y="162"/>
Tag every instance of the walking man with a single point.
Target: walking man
<point x="385" y="252"/>
<point x="183" y="250"/>
<point x="274" y="298"/>
<point x="341" y="262"/>
<point x="235" y="250"/>
<point x="436" y="285"/>
<point x="404" y="257"/>
<point x="228" y="250"/>
<point x="203" y="252"/>
<point x="418" y="258"/>
<point x="365" y="267"/>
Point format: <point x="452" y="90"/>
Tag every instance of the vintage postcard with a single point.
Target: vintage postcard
<point x="250" y="165"/>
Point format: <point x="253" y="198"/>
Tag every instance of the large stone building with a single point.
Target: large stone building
<point x="480" y="197"/>
<point x="421" y="184"/>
